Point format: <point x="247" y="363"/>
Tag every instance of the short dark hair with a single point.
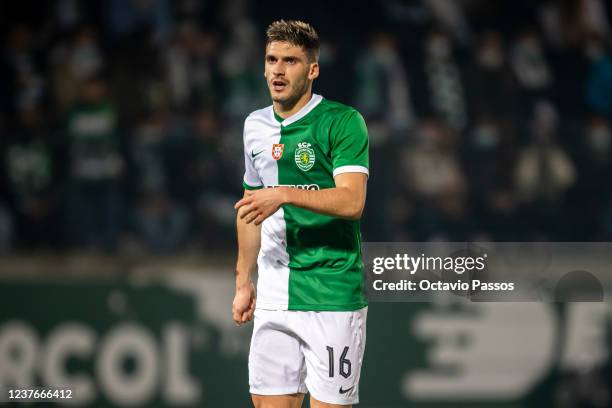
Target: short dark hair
<point x="297" y="33"/>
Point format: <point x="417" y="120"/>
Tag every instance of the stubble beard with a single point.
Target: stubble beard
<point x="297" y="91"/>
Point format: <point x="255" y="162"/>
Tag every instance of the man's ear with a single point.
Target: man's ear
<point x="313" y="71"/>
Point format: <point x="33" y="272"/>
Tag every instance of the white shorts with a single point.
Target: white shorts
<point x="302" y="351"/>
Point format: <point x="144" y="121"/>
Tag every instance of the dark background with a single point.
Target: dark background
<point x="120" y="121"/>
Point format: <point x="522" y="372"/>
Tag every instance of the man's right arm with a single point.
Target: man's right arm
<point x="249" y="242"/>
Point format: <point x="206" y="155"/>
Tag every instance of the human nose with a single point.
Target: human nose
<point x="278" y="68"/>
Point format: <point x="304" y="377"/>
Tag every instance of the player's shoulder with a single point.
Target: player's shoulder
<point x="340" y="116"/>
<point x="263" y="114"/>
<point x="258" y="123"/>
<point x="335" y="108"/>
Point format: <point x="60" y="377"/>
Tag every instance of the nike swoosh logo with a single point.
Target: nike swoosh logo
<point x="345" y="391"/>
<point x="253" y="154"/>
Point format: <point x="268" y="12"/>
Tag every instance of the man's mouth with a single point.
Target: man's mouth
<point x="278" y="85"/>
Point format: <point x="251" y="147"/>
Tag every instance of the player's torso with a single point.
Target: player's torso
<point x="295" y="154"/>
<point x="307" y="261"/>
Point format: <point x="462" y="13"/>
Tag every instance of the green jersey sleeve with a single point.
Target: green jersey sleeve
<point x="349" y="140"/>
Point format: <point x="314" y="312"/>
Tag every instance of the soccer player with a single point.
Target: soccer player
<point x="306" y="162"/>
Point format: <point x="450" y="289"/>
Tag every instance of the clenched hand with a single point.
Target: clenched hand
<point x="243" y="306"/>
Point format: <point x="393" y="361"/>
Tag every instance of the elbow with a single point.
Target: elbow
<point x="352" y="203"/>
<point x="354" y="212"/>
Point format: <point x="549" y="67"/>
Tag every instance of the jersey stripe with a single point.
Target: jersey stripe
<point x="351" y="169"/>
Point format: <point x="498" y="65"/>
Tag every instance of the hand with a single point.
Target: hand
<point x="243" y="306"/>
<point x="261" y="204"/>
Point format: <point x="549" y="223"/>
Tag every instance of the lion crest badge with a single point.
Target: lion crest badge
<point x="304" y="156"/>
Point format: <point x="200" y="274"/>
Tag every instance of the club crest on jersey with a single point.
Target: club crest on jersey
<point x="277" y="150"/>
<point x="304" y="156"/>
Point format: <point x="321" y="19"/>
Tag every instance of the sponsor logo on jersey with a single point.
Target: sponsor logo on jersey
<point x="298" y="186"/>
<point x="277" y="150"/>
<point x="304" y="156"/>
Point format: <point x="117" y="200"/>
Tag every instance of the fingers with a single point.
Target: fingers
<point x="257" y="217"/>
<point x="248" y="315"/>
<point x="243" y="201"/>
<point x="253" y="215"/>
<point x="241" y="317"/>
<point x="248" y="212"/>
<point x="251" y="211"/>
<point x="244" y="211"/>
<point x="236" y="316"/>
<point x="244" y="317"/>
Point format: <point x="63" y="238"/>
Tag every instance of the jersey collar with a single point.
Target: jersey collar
<point x="312" y="103"/>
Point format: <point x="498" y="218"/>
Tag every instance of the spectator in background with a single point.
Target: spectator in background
<point x="337" y="83"/>
<point x="434" y="180"/>
<point x="440" y="85"/>
<point x="127" y="16"/>
<point x="488" y="159"/>
<point x="73" y="62"/>
<point x="564" y="29"/>
<point x="451" y="15"/>
<point x="96" y="166"/>
<point x="531" y="69"/>
<point x="382" y="96"/>
<point x="211" y="166"/>
<point x="489" y="82"/>
<point x="160" y="220"/>
<point x="134" y="74"/>
<point x="148" y="153"/>
<point x="382" y="89"/>
<point x="543" y="174"/>
<point x="599" y="83"/>
<point x="192" y="71"/>
<point x="29" y="164"/>
<point x="26" y="84"/>
<point x="590" y="199"/>
<point x="162" y="223"/>
<point x="244" y="88"/>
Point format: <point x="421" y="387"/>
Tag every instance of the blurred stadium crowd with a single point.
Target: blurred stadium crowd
<point x="121" y="120"/>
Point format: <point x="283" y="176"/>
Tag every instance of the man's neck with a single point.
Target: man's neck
<point x="287" y="111"/>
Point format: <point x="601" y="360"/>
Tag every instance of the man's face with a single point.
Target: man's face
<point x="288" y="72"/>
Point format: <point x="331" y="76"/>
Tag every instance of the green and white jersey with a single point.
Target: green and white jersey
<point x="307" y="261"/>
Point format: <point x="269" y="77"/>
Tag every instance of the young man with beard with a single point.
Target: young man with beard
<point x="306" y="162"/>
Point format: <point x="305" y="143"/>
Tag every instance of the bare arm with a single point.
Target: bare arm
<point x="346" y="200"/>
<point x="249" y="242"/>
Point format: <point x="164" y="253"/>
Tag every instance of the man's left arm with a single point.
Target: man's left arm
<point x="346" y="200"/>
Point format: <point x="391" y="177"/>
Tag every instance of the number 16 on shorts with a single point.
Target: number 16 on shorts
<point x="345" y="363"/>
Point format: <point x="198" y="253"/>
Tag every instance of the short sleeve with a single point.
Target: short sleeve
<point x="349" y="138"/>
<point x="251" y="180"/>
